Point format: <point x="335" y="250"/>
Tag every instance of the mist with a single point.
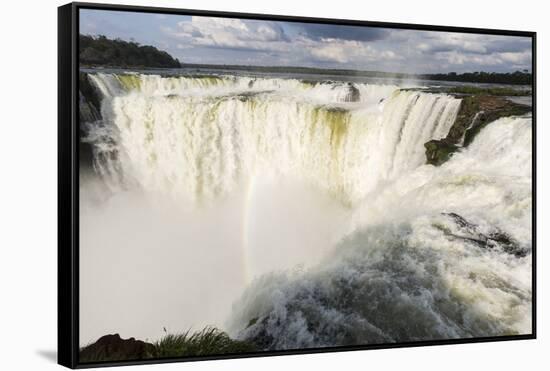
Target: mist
<point x="149" y="262"/>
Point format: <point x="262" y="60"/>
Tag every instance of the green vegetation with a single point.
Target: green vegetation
<point x="208" y="341"/>
<point x="516" y="78"/>
<point x="508" y="92"/>
<point x="101" y="51"/>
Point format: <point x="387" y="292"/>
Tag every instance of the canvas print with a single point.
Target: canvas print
<point x="250" y="186"/>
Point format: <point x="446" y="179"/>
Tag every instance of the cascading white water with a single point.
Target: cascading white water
<point x="411" y="268"/>
<point x="198" y="137"/>
<point x="395" y="264"/>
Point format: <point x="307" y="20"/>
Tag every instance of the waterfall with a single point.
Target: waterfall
<point x="312" y="203"/>
<point x="199" y="137"/>
<point x="409" y="269"/>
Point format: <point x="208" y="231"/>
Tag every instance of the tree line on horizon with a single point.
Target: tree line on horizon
<point x="102" y="51"/>
<point x="517" y="78"/>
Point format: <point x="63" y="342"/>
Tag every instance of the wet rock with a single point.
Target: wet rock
<point x="476" y="112"/>
<point x="88" y="92"/>
<point x="89" y="111"/>
<point x="353" y="94"/>
<point x="439" y="151"/>
<point x="495" y="238"/>
<point x="114" y="348"/>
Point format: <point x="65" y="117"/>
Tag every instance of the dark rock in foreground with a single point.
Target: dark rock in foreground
<point x="114" y="348"/>
<point x="476" y="112"/>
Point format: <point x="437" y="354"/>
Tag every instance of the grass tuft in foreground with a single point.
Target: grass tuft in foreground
<point x="208" y="341"/>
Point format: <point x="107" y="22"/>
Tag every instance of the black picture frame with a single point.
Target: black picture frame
<point x="68" y="179"/>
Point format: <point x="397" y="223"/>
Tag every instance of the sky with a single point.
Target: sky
<point x="213" y="40"/>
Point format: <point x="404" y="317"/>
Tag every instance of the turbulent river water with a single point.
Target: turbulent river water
<point x="298" y="213"/>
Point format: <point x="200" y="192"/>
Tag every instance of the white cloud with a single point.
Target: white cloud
<point x="421" y="49"/>
<point x="230" y="33"/>
<point x="512" y="59"/>
<point x="446" y="41"/>
<point x="344" y="51"/>
<point x="517" y="57"/>
<point x="330" y="52"/>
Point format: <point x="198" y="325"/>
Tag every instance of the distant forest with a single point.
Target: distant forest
<point x="101" y="51"/>
<point x="517" y="78"/>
